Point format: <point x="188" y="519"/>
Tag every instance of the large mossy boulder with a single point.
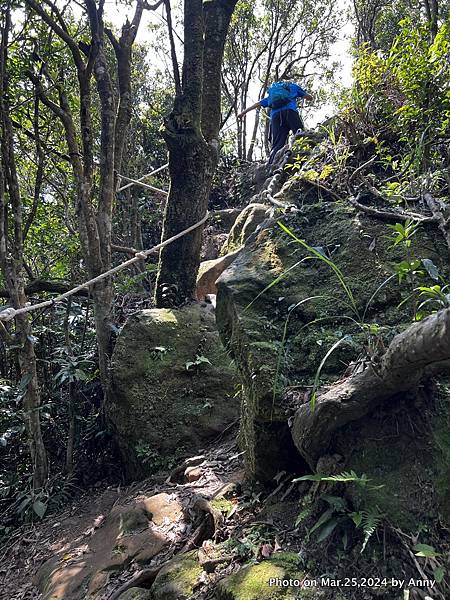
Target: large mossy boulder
<point x="279" y="577"/>
<point x="173" y="386"/>
<point x="291" y="319"/>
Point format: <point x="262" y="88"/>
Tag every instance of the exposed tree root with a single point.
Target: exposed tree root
<point x="418" y="351"/>
<point x="391" y="216"/>
<point x="144" y="578"/>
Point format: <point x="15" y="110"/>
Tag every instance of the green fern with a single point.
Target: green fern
<point x="371" y="519"/>
<point x="367" y="521"/>
<point x="344" y="477"/>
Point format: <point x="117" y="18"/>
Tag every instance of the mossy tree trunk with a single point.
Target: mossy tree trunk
<point x="191" y="134"/>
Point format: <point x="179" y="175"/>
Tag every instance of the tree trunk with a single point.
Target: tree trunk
<point x="31" y="401"/>
<point x="420" y="350"/>
<point x="253" y="138"/>
<point x="11" y="262"/>
<point x="191" y="169"/>
<point x="191" y="134"/>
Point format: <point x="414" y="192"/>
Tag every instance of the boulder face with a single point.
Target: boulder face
<point x="173" y="386"/>
<point x="291" y="320"/>
<point x="245" y="224"/>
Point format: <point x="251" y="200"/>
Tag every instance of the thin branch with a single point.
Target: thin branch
<point x="173" y="52"/>
<point x="59" y="28"/>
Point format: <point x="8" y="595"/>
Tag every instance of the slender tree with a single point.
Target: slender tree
<point x="94" y="205"/>
<point x="13" y="230"/>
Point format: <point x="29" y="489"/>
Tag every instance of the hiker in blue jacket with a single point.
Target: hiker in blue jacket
<point x="282" y="100"/>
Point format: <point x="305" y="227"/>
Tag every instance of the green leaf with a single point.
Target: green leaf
<point x="431" y="268"/>
<point x="336" y="502"/>
<point x="357" y="518"/>
<point x="425" y="550"/>
<point x="326" y="516"/>
<point x="39" y="508"/>
<point x="202" y="359"/>
<point x="439" y="574"/>
<point x="327" y="529"/>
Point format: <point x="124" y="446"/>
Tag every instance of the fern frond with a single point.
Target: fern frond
<point x="371" y="519"/>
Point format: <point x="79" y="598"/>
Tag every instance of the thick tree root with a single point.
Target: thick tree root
<point x="144" y="579"/>
<point x="420" y="350"/>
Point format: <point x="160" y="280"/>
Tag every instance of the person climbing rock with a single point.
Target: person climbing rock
<point x="284" y="117"/>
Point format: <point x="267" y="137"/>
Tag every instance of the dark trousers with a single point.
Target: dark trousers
<point x="281" y="124"/>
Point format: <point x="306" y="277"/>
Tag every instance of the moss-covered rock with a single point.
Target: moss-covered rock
<point x="177" y="579"/>
<point x="281" y="310"/>
<point x="277" y="577"/>
<point x="172" y="386"/>
<point x="246" y="223"/>
<point x="396" y="448"/>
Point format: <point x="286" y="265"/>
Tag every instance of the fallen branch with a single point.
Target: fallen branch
<point x="416" y="352"/>
<point x="360" y="168"/>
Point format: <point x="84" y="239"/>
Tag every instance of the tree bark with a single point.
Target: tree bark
<point x="191" y="134"/>
<point x="421" y="349"/>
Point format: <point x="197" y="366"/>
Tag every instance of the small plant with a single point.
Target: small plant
<point x="435" y="296"/>
<point x="435" y="559"/>
<point x="339" y="512"/>
<point x="403" y="232"/>
<point x="149" y="456"/>
<point x="199" y="360"/>
<point x="344" y="477"/>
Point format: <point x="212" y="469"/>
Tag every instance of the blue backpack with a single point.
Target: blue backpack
<point x="279" y="94"/>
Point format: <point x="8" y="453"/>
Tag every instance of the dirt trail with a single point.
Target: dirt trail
<point x="65" y="536"/>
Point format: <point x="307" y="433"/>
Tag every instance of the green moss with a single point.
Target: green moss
<point x="157" y="404"/>
<point x="252" y="581"/>
<point x="164" y="315"/>
<point x="177" y="579"/>
<point x="222" y="504"/>
<point x="387" y="449"/>
<point x="254" y="334"/>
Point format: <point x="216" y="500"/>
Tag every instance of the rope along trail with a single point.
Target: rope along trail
<point x="9" y="313"/>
